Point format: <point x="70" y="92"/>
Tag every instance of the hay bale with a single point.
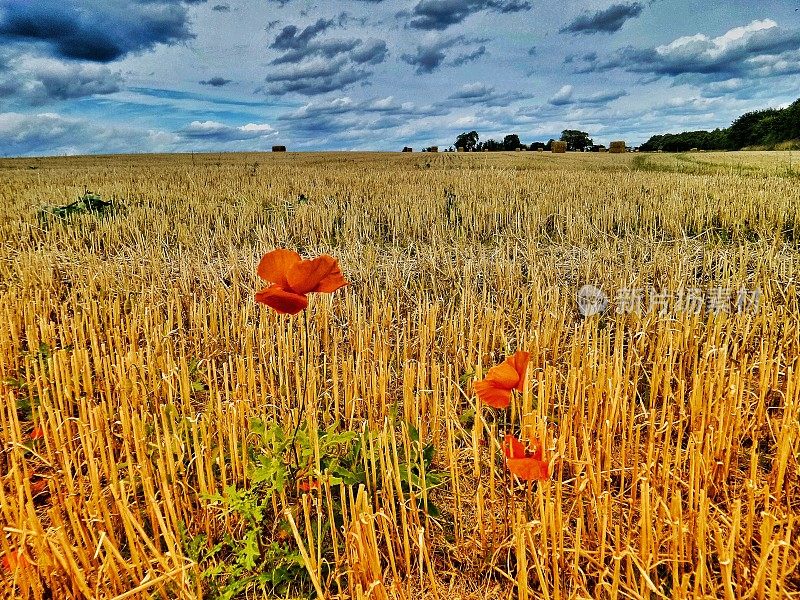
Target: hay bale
<point x="517" y="149"/>
<point x="558" y="147"/>
<point x="617" y="147"/>
<point x="407" y="149"/>
<point x="279" y="148"/>
<point x="460" y="149"/>
<point x="540" y="149"/>
<point x="433" y="149"/>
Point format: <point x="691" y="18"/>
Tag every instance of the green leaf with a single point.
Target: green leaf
<point x="427" y="455"/>
<point x="466" y="378"/>
<point x="335" y="439"/>
<point x="432" y="511"/>
<point x="413" y="433"/>
<point x="248" y="552"/>
<point x="467" y="418"/>
<point x="257" y="426"/>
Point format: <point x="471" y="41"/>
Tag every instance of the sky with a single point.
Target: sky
<point x="111" y="76"/>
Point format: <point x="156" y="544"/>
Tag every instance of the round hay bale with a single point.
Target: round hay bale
<point x="558" y="147"/>
<point x="617" y="147"/>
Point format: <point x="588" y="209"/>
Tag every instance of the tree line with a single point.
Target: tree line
<point x="769" y="128"/>
<point x="469" y="141"/>
<point x="761" y="128"/>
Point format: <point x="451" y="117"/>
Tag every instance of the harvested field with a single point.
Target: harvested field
<point x="164" y="435"/>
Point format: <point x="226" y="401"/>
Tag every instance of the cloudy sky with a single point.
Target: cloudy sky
<point x="99" y="76"/>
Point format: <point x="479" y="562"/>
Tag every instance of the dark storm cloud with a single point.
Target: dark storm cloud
<point x="326" y="48"/>
<point x="760" y="49"/>
<point x="426" y="59"/>
<point x="467" y="57"/>
<point x="343" y="114"/>
<point x="604" y="21"/>
<point x="285" y="2"/>
<point x="441" y="14"/>
<point x="221" y="8"/>
<point x="432" y="54"/>
<point x="313" y="77"/>
<point x="292" y="38"/>
<point x="95" y="30"/>
<point x="371" y="52"/>
<point x="37" y="81"/>
<point x="473" y="94"/>
<point x="301" y="45"/>
<point x="216" y="82"/>
<point x="315" y="65"/>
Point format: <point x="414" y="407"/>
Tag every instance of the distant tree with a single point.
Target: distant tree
<point x="745" y="130"/>
<point x="490" y="145"/>
<point x="681" y="142"/>
<point x="549" y="145"/>
<point x="511" y="142"/>
<point x="576" y="140"/>
<point x="765" y="128"/>
<point x="468" y="141"/>
<point x="538" y="146"/>
<point x="791" y="121"/>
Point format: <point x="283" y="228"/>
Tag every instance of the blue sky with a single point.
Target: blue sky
<point x="100" y="76"/>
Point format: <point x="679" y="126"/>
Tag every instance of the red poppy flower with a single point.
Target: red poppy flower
<point x="37" y="433"/>
<point x="291" y="278"/>
<point x="38" y="484"/>
<point x="14" y="560"/>
<point x="307" y="485"/>
<point x="524" y="463"/>
<point x="495" y="389"/>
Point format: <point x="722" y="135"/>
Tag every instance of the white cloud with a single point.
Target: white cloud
<point x="562" y="96"/>
<point x="53" y="133"/>
<point x="220" y="132"/>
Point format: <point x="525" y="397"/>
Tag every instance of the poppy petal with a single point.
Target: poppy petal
<point x="519" y="362"/>
<point x="529" y="469"/>
<point x="321" y="274"/>
<point x="14" y="560"/>
<point x="274" y="266"/>
<point x="38" y="486"/>
<point x="537" y="450"/>
<point x="282" y="301"/>
<point x="503" y="375"/>
<point x="513" y="448"/>
<point x="492" y="395"/>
